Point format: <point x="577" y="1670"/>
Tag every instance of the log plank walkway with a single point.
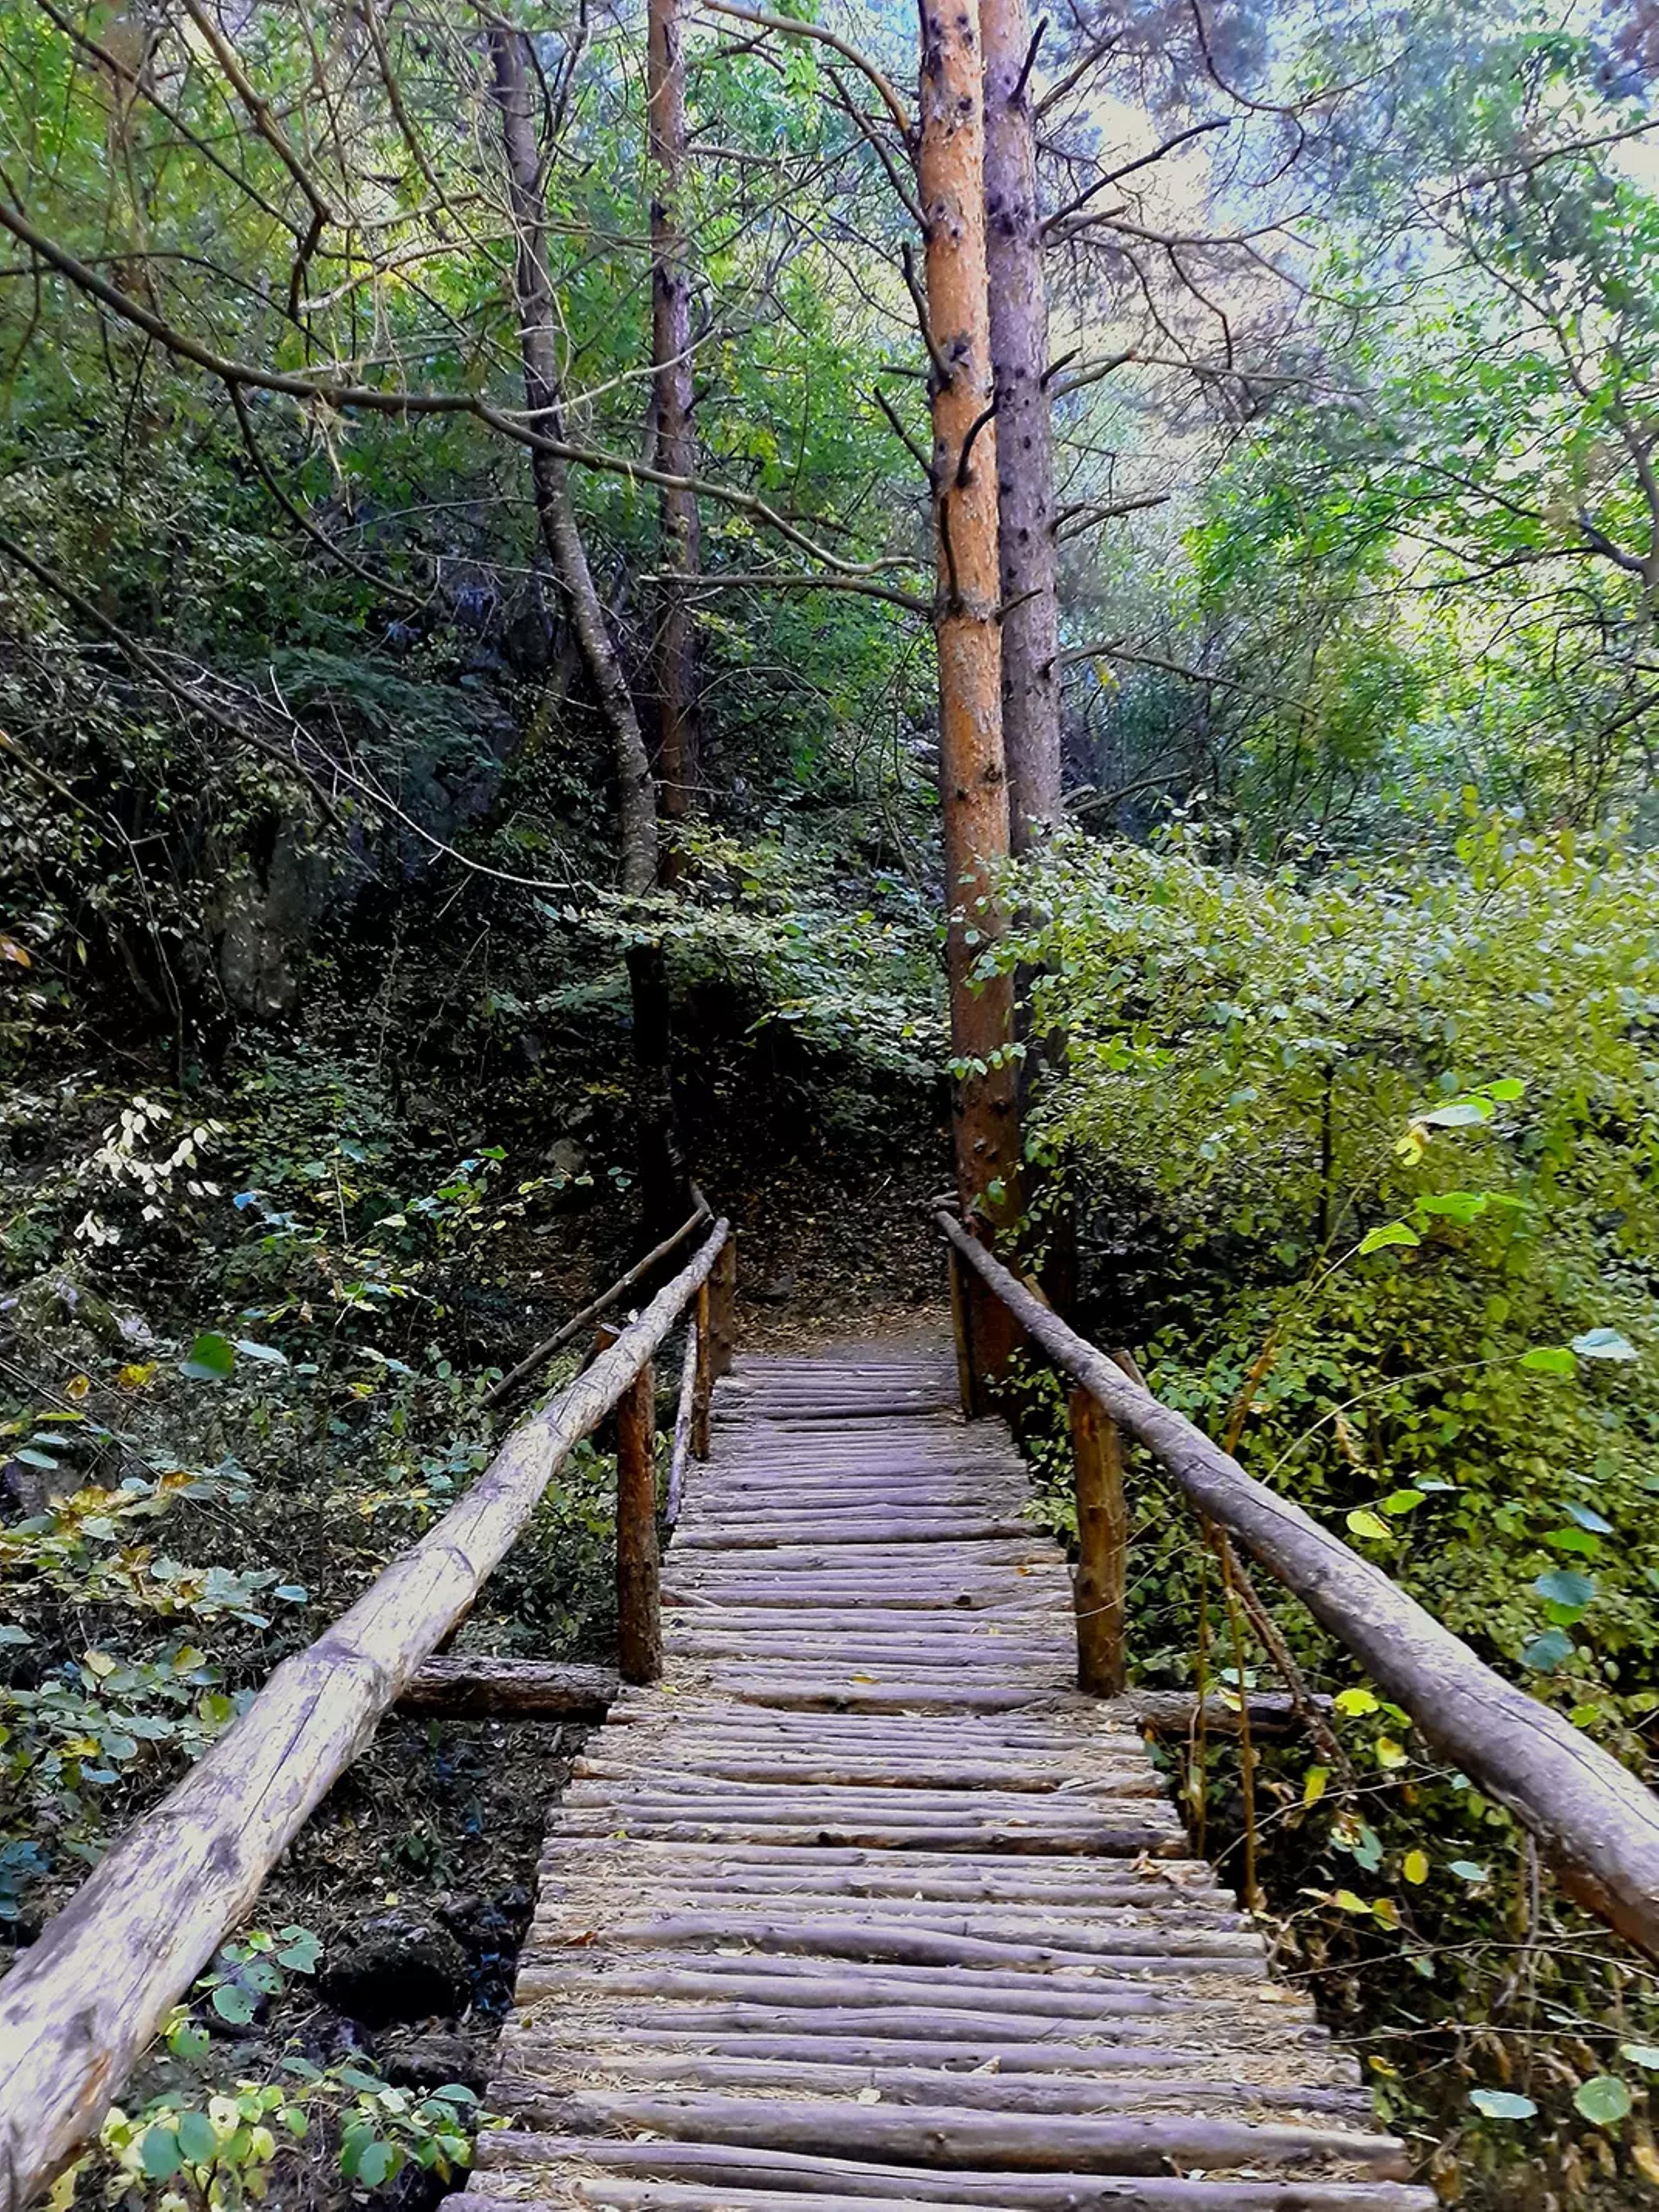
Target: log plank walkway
<point x="865" y="1906"/>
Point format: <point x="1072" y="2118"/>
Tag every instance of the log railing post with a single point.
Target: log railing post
<point x="722" y="1310"/>
<point x="702" y="1391"/>
<point x="639" y="1580"/>
<point x="961" y="1332"/>
<point x="1102" y="1543"/>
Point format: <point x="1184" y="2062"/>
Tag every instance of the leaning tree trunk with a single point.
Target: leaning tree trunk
<point x="674" y="654"/>
<point x="662" y="1174"/>
<point x="973" y="782"/>
<point x="1019" y="359"/>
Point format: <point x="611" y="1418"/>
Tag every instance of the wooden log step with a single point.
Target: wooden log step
<point x="546" y="1945"/>
<point x="1079" y="1843"/>
<point x="877" y="1872"/>
<point x="807" y="1984"/>
<point x="825" y="1647"/>
<point x="907" y="2024"/>
<point x="966" y="2057"/>
<point x="1134" y="1922"/>
<point x="760" y="1688"/>
<point x="1182" y="1949"/>
<point x="979" y="1534"/>
<point x="849" y="1772"/>
<point x="943" y="2136"/>
<point x="1076" y="1725"/>
<point x="954" y="2193"/>
<point x="917" y="1806"/>
<point x="988" y="1597"/>
<point x="561" y="2069"/>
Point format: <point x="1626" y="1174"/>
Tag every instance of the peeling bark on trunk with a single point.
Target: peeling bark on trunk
<point x="1019" y="356"/>
<point x="972" y="783"/>
<point x="674" y="650"/>
<point x="663" y="1181"/>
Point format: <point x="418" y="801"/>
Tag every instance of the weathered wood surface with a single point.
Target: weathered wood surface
<point x="865" y="1905"/>
<point x="1596" y="1821"/>
<point x="83" y="2002"/>
<point x="474" y="1686"/>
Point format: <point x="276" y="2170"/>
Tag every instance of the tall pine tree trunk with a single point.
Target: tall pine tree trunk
<point x="1027" y="548"/>
<point x="664" y="1199"/>
<point x="972" y="783"/>
<point x="674" y="653"/>
<point x="1019" y="358"/>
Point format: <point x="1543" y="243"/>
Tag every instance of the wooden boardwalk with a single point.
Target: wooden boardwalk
<point x="865" y="1906"/>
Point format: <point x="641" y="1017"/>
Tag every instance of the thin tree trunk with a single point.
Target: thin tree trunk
<point x="973" y="782"/>
<point x="1019" y="357"/>
<point x="674" y="651"/>
<point x="663" y="1184"/>
<point x="533" y="296"/>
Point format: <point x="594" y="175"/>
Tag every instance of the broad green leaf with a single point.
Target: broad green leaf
<point x="1549" y="1359"/>
<point x="1354" y="1702"/>
<point x="1604" y="2101"/>
<point x="1363" y="1522"/>
<point x="158" y="2153"/>
<point x="1395" y="1232"/>
<point x="1565" y="1586"/>
<point x="1415" y="1868"/>
<point x="210" y="1358"/>
<point x="1457" y="1113"/>
<point x="198" y="2138"/>
<point x="374" y="2163"/>
<point x="1641" y="2054"/>
<point x="1604" y="1344"/>
<point x="1502" y="2104"/>
<point x="1586" y="1517"/>
<point x="1548" y="1653"/>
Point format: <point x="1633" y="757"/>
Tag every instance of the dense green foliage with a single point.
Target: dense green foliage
<point x="315" y="1010"/>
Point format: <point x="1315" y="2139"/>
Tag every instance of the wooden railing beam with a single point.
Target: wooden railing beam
<point x="83" y="2002"/>
<point x="1595" y="1819"/>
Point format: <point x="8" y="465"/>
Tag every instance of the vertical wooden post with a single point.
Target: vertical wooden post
<point x="639" y="1583"/>
<point x="961" y="1330"/>
<point x="722" y="1306"/>
<point x="1103" y="1544"/>
<point x="703" y="1388"/>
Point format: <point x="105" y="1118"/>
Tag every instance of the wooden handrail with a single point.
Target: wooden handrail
<point x="1596" y="1819"/>
<point x="82" y="2003"/>
<point x="591" y="1312"/>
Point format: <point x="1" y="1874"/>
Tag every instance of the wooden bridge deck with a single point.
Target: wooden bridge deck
<point x="865" y="1906"/>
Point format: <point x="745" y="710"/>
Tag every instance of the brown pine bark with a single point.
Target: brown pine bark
<point x="972" y="783"/>
<point x="674" y="650"/>
<point x="1019" y="356"/>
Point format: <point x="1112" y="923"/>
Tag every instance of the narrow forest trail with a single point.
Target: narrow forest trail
<point x="864" y="1906"/>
